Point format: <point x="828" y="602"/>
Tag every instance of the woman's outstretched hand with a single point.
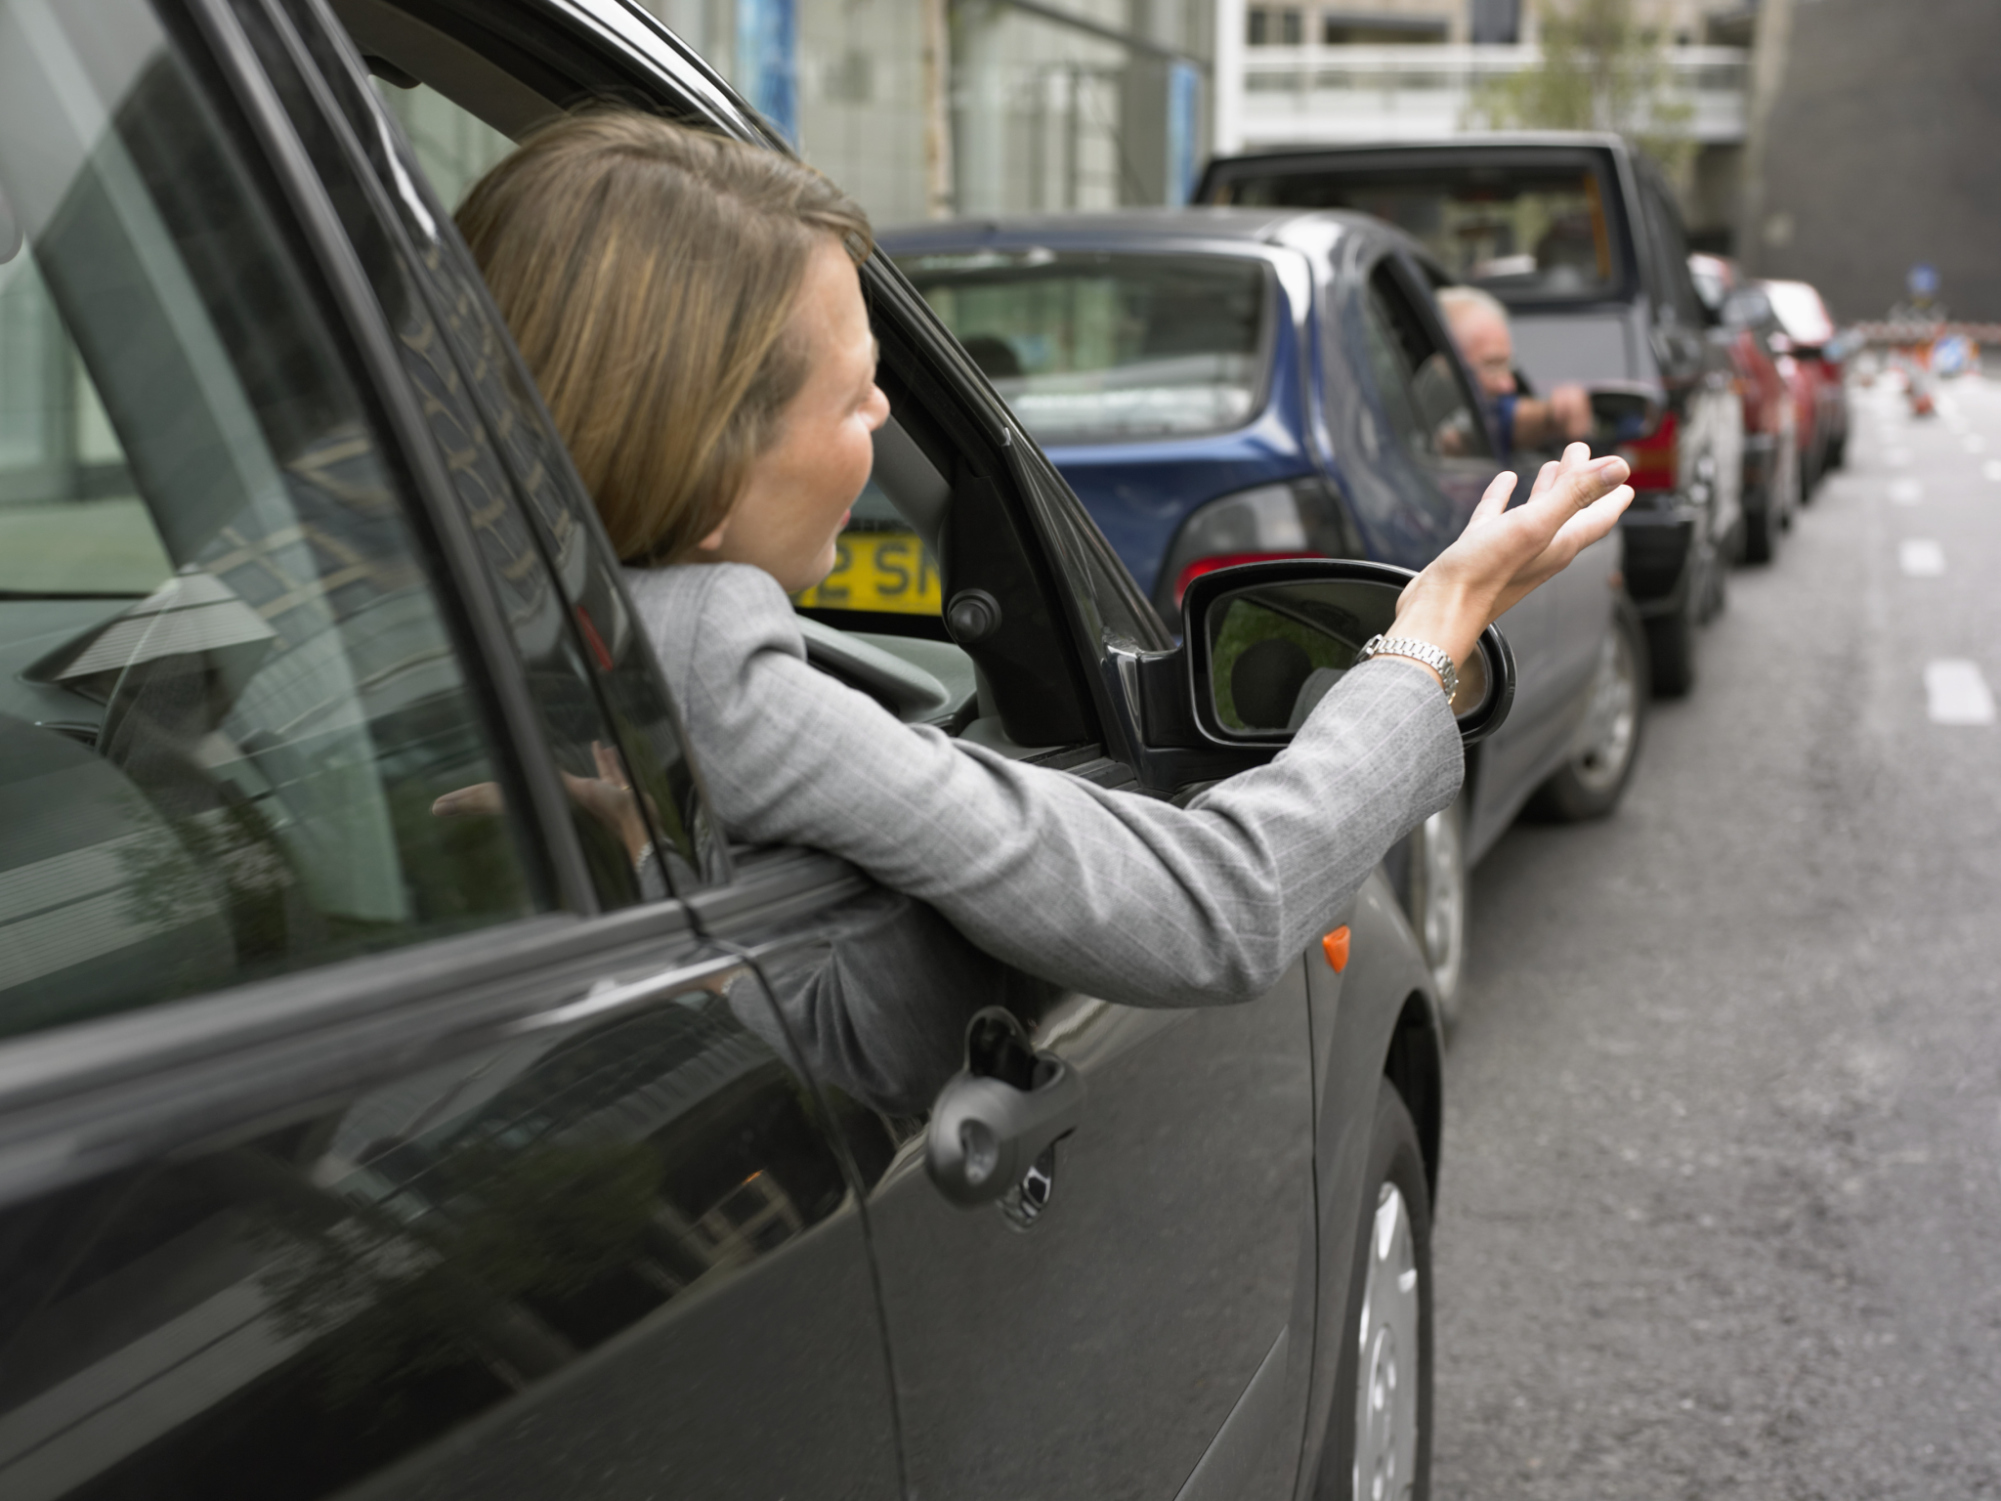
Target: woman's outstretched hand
<point x="1503" y="554"/>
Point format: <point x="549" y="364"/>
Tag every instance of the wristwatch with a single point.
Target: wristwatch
<point x="1421" y="651"/>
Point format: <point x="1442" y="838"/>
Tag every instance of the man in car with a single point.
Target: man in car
<point x="1479" y="325"/>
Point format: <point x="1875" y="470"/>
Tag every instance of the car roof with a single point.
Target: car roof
<point x="1486" y="140"/>
<point x="1135" y="228"/>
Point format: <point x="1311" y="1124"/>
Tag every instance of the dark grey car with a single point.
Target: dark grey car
<point x="347" y="1149"/>
<point x="1579" y="235"/>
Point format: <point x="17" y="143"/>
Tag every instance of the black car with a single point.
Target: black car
<point x="349" y="1149"/>
<point x="1579" y="235"/>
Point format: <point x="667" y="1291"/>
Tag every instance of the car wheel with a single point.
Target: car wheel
<point x="1379" y="1433"/>
<point x="1607" y="743"/>
<point x="1762" y="528"/>
<point x="1716" y="598"/>
<point x="1437" y="902"/>
<point x="1671" y="650"/>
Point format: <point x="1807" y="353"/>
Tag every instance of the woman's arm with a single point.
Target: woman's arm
<point x="1122" y="896"/>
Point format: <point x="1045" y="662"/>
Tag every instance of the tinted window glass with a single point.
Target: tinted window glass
<point x="1528" y="232"/>
<point x="1106" y="348"/>
<point x="591" y="673"/>
<point x="1417" y="377"/>
<point x="229" y="700"/>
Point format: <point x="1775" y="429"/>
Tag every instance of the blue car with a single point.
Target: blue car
<point x="1221" y="386"/>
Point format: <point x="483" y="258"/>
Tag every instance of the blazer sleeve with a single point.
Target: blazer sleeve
<point x="1111" y="893"/>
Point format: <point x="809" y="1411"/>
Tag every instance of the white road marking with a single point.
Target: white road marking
<point x="1897" y="458"/>
<point x="1975" y="443"/>
<point x="1992" y="469"/>
<point x="1906" y="492"/>
<point x="1921" y="558"/>
<point x="1956" y="693"/>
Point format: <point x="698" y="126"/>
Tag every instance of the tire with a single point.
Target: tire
<point x="1761" y="531"/>
<point x="1436" y="903"/>
<point x="1606" y="746"/>
<point x="1671" y="651"/>
<point x="1379" y="1432"/>
<point x="1837" y="453"/>
<point x="1716" y="598"/>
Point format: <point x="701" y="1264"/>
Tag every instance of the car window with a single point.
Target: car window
<point x="1097" y="348"/>
<point x="1417" y="378"/>
<point x="1672" y="249"/>
<point x="591" y="677"/>
<point x="890" y="588"/>
<point x="1543" y="231"/>
<point x="230" y="700"/>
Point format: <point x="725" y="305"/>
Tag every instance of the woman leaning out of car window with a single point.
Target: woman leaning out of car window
<point x="692" y="311"/>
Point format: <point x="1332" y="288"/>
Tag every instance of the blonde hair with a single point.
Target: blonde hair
<point x="648" y="272"/>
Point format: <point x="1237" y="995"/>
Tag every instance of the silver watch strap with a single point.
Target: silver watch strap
<point x="1421" y="651"/>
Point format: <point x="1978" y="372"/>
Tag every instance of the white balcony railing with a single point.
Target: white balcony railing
<point x="1306" y="95"/>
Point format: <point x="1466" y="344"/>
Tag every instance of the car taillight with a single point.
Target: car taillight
<point x="1200" y="566"/>
<point x="1653" y="458"/>
<point x="1252" y="526"/>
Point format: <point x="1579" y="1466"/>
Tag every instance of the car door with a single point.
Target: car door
<point x="344" y="1142"/>
<point x="1427" y="413"/>
<point x="1694" y="371"/>
<point x="1171" y="1274"/>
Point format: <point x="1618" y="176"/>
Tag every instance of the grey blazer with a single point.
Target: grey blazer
<point x="1121" y="896"/>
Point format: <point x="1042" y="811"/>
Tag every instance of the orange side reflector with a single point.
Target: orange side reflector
<point x="1335" y="947"/>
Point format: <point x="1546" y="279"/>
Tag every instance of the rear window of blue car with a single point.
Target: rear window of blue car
<point x="1106" y="348"/>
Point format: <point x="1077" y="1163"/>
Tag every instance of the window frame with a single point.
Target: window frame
<point x="1420" y="307"/>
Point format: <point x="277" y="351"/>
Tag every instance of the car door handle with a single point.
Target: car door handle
<point x="987" y="1131"/>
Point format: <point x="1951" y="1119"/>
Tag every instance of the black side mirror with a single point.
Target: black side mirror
<point x="1623" y="412"/>
<point x="1264" y="643"/>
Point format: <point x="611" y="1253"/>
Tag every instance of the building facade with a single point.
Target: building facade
<point x="1874" y="150"/>
<point x="930" y="107"/>
<point x="1312" y="72"/>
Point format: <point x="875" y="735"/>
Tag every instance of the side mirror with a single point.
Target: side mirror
<point x="1623" y="412"/>
<point x="1264" y="643"/>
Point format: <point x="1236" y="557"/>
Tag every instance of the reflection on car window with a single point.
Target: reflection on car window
<point x="453" y="146"/>
<point x="1418" y="380"/>
<point x="228" y="700"/>
<point x="70" y="523"/>
<point x="555" y="1237"/>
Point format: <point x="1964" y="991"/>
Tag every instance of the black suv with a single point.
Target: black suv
<point x="345" y="1148"/>
<point x="1579" y="235"/>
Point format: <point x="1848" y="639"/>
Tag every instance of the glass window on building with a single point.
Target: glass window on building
<point x="1275" y="25"/>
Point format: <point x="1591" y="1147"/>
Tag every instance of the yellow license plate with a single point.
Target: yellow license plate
<point x="889" y="571"/>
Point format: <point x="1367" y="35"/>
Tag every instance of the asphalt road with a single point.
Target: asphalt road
<point x="1722" y="1189"/>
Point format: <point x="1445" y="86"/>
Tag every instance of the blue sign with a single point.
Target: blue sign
<point x="1923" y="280"/>
<point x="1183" y="97"/>
<point x="767" y="61"/>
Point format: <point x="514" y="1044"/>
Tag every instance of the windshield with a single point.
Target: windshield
<point x="1102" y="348"/>
<point x="1548" y="233"/>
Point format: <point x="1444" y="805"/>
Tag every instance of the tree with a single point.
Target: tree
<point x="1601" y="70"/>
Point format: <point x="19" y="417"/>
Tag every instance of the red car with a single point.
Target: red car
<point x="1816" y="373"/>
<point x="1747" y="324"/>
